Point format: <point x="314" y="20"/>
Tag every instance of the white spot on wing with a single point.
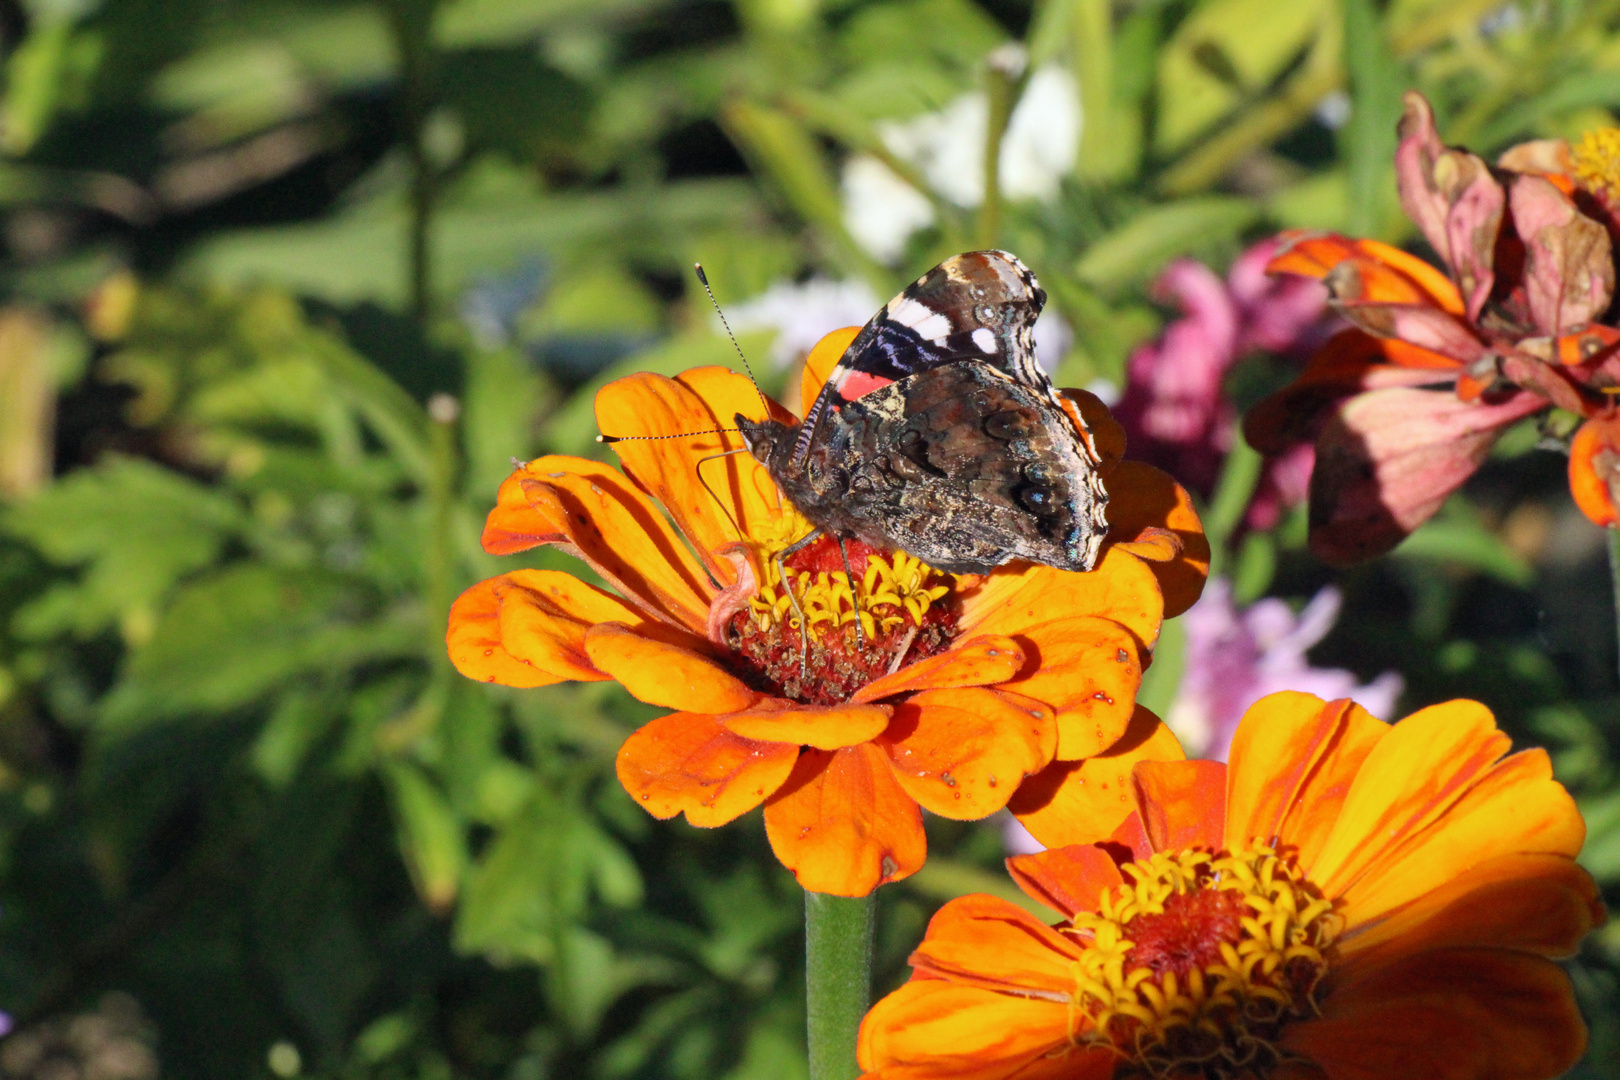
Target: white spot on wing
<point x="985" y="340"/>
<point x="928" y="323"/>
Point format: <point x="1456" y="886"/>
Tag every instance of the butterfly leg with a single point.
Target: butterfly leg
<point x="854" y="593"/>
<point x="793" y="602"/>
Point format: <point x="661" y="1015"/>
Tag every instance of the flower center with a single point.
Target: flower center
<point x="903" y="608"/>
<point x="1597" y="163"/>
<point x="1197" y="963"/>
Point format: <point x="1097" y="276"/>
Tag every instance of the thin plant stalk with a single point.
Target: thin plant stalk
<point x="838" y="978"/>
<point x="1614" y="576"/>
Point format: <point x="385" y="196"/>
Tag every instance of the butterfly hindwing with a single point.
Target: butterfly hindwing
<point x="972" y="467"/>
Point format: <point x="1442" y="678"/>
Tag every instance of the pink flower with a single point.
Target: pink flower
<point x="1236" y="657"/>
<point x="1173" y="407"/>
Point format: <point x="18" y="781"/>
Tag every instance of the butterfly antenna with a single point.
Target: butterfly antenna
<point x="704" y="280"/>
<point x="657" y="438"/>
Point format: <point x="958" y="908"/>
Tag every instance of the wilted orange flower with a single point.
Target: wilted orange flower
<point x="1346" y="900"/>
<point x="958" y="688"/>
<point x="1406" y="405"/>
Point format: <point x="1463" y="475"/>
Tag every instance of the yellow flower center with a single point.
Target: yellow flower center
<point x="1195" y="964"/>
<point x="895" y="600"/>
<point x="1597" y="162"/>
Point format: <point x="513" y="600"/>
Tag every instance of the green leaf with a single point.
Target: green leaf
<point x="50" y="71"/>
<point x="1601" y="853"/>
<point x="508" y="910"/>
<point x="1376" y="82"/>
<point x="430" y="835"/>
<point x="1578" y="90"/>
<point x="784" y="151"/>
<point x="139" y="526"/>
<point x="297" y="723"/>
<point x="238" y="634"/>
<point x="1456" y="535"/>
<point x="1225" y="54"/>
<point x="1139" y="249"/>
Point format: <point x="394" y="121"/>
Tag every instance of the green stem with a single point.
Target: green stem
<point x="1614" y="575"/>
<point x="1233" y="491"/>
<point x="838" y="978"/>
<point x="411" y="22"/>
<point x="1002" y="85"/>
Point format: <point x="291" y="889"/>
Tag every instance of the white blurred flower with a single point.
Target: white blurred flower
<point x="881" y="211"/>
<point x="947" y="148"/>
<point x="1015" y="839"/>
<point x="1043" y="136"/>
<point x="1052" y="340"/>
<point x="803" y="313"/>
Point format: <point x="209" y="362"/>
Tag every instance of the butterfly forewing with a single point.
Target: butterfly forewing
<point x="980" y="306"/>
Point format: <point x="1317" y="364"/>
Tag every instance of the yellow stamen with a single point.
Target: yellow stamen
<point x="1597" y="162"/>
<point x="1221" y="1018"/>
<point x="893" y="588"/>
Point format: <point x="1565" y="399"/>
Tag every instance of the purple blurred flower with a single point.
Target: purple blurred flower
<point x="1236" y="657"/>
<point x="1172" y="407"/>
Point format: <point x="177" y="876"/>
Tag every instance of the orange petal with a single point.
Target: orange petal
<point x="986" y="941"/>
<point x="937" y="1030"/>
<point x="1293" y="757"/>
<point x="843" y="824"/>
<point x="962" y="753"/>
<point x="1458" y="1013"/>
<point x="1141" y="497"/>
<point x="1408" y="780"/>
<point x="1097" y="426"/>
<point x="593" y="512"/>
<point x="1066" y="879"/>
<point x="661" y="673"/>
<point x="1083" y="802"/>
<point x="823" y="727"/>
<point x="819" y="364"/>
<point x="688" y="762"/>
<point x="549" y="639"/>
<point x="1182" y="803"/>
<point x="1398" y="274"/>
<point x="709" y="496"/>
<point x="1515" y="807"/>
<point x="1537" y="903"/>
<point x="979" y="661"/>
<point x="1088" y="671"/>
<point x="1009" y="601"/>
<point x="1594" y="471"/>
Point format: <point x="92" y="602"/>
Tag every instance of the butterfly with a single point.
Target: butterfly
<point x="939" y="435"/>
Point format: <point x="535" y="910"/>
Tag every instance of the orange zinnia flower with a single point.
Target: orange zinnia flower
<point x="959" y="686"/>
<point x="1348" y="899"/>
<point x="1405" y="406"/>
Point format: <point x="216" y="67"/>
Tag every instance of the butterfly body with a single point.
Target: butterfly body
<point x="939" y="435"/>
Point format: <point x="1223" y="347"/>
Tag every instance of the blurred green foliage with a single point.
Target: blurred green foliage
<point x="291" y="282"/>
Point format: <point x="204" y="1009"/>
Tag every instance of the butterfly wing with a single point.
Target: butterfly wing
<point x="966" y="468"/>
<point x="979" y="306"/>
